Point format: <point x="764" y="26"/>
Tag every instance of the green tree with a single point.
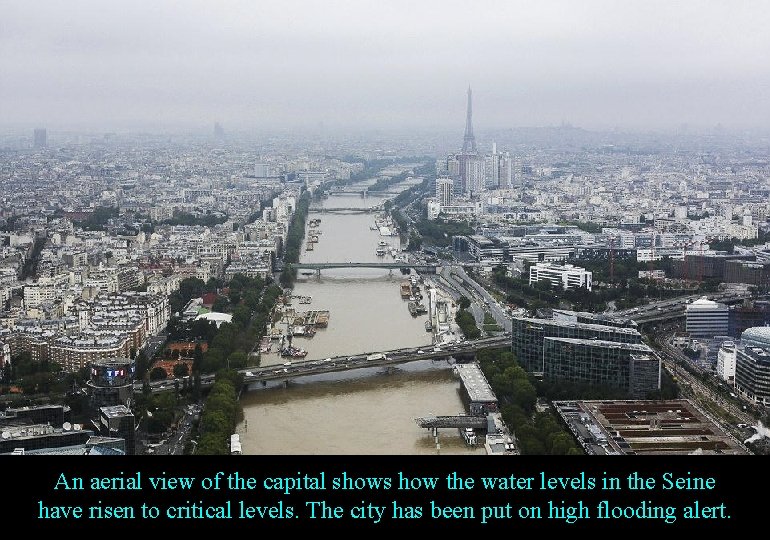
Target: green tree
<point x="241" y="316"/>
<point x="237" y="360"/>
<point x="523" y="394"/>
<point x="214" y="421"/>
<point x="234" y="297"/>
<point x="196" y="390"/>
<point x="181" y="370"/>
<point x="212" y="444"/>
<point x="197" y="358"/>
<point x="158" y="374"/>
<point x="415" y="242"/>
<point x="213" y="360"/>
<point x="562" y="445"/>
<point x="221" y="304"/>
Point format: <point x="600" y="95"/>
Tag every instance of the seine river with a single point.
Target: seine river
<point x="367" y="411"/>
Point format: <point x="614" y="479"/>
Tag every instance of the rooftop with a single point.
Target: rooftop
<point x="645" y="427"/>
<point x="112" y="362"/>
<point x="759" y="335"/>
<point x="635" y="347"/>
<point x="585" y="326"/>
<point x="216" y="317"/>
<point x="115" y="411"/>
<point x="705" y="303"/>
<point x="475" y="383"/>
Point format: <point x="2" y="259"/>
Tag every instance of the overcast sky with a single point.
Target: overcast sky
<point x="384" y="63"/>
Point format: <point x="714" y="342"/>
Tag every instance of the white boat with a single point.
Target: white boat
<point x="469" y="436"/>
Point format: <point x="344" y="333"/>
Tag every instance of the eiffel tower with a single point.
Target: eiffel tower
<point x="469" y="141"/>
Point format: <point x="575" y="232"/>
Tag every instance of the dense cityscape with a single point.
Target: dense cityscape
<point x="147" y="284"/>
<point x="244" y="242"/>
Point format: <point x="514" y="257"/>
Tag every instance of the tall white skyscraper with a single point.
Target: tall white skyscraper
<point x="41" y="139"/>
<point x="444" y="191"/>
<point x="497" y="169"/>
<point x="517" y="174"/>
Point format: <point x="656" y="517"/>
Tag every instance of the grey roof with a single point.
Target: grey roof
<point x="586" y="326"/>
<point x="636" y="347"/>
<point x="758" y="335"/>
<point x="475" y="383"/>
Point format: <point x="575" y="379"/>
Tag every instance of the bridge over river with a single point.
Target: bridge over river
<point x="293" y="368"/>
<point x="345" y="210"/>
<point x="419" y="267"/>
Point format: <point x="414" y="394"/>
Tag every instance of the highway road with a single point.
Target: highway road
<point x="481" y="301"/>
<point x="490" y="303"/>
<point x="673" y="358"/>
<point x="174" y="445"/>
<point x="676" y="306"/>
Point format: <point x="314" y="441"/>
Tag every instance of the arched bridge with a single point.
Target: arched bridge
<point x="419" y="267"/>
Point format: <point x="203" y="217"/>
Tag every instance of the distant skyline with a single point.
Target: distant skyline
<point x="284" y="64"/>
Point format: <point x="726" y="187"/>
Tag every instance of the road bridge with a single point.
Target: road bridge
<point x="424" y="268"/>
<point x="345" y="210"/>
<point x="352" y="191"/>
<point x="293" y="368"/>
<point x="419" y="267"/>
<point x="674" y="309"/>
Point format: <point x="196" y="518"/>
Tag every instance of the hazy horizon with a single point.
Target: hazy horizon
<point x="641" y="65"/>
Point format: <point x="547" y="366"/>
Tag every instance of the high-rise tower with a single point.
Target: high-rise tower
<point x="469" y="141"/>
<point x="40" y="138"/>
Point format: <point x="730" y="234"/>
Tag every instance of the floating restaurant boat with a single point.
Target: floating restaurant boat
<point x="406" y="289"/>
<point x="276" y="333"/>
<point x="469" y="436"/>
<point x="293" y="352"/>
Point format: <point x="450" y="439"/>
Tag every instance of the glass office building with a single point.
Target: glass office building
<point x="631" y="367"/>
<point x="528" y="335"/>
<point x="752" y="374"/>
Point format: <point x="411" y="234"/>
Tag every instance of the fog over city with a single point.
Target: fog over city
<point x="147" y="64"/>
